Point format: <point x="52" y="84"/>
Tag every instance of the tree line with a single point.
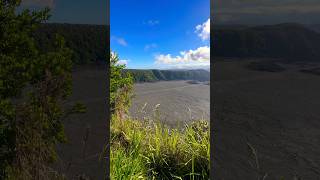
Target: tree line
<point x="153" y="75"/>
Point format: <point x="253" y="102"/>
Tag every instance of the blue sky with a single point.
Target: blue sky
<point x="161" y="33"/>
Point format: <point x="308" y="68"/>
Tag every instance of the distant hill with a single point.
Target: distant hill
<point x="291" y="42"/>
<point x="89" y="42"/>
<point x="152" y="75"/>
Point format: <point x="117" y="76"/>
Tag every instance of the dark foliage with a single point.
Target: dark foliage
<point x="88" y="42"/>
<point x="120" y="87"/>
<point x="34" y="84"/>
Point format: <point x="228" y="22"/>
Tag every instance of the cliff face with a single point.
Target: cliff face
<point x="168" y="75"/>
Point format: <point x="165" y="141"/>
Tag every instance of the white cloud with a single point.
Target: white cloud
<point x="119" y="40"/>
<point x="150" y="46"/>
<point x="203" y="30"/>
<point x="192" y="58"/>
<point x="120" y="62"/>
<point x="123" y="62"/>
<point x="189" y="66"/>
<point x="152" y="22"/>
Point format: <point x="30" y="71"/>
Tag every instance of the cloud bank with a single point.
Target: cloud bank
<point x="203" y="30"/>
<point x="199" y="57"/>
<point x="190" y="59"/>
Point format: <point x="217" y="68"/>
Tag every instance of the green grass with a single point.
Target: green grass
<point x="144" y="150"/>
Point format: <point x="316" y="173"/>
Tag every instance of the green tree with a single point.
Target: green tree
<point x="120" y="87"/>
<point x="34" y="85"/>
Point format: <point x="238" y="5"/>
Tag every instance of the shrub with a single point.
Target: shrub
<point x="34" y="84"/>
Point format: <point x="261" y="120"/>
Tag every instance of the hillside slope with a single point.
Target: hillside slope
<point x="168" y="75"/>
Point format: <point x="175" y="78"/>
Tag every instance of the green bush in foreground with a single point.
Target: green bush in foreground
<point x="140" y="150"/>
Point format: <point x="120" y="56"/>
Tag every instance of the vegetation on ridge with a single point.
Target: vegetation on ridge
<point x="88" y="42"/>
<point x="153" y="75"/>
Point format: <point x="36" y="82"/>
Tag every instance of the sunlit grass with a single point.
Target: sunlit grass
<point x="144" y="150"/>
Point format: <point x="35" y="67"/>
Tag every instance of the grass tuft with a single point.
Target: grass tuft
<point x="144" y="150"/>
